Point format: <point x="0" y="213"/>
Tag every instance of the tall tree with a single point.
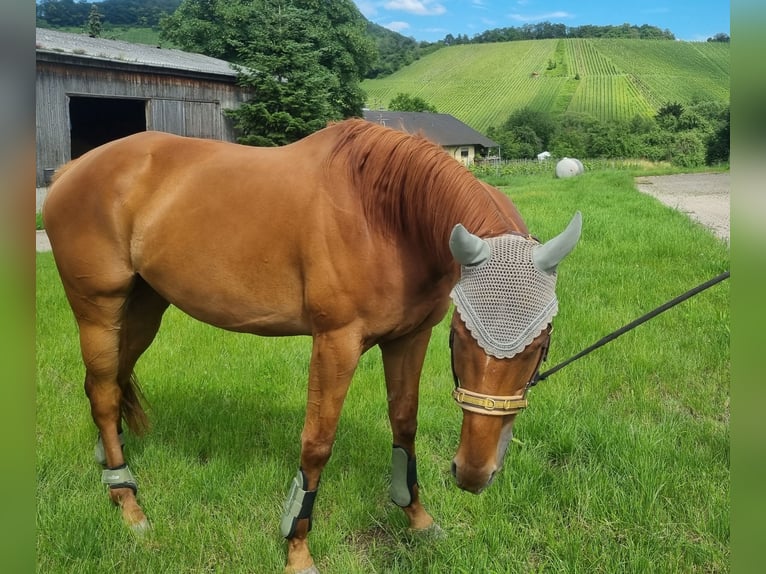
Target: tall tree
<point x="291" y="90"/>
<point x="94" y="22"/>
<point x="326" y="34"/>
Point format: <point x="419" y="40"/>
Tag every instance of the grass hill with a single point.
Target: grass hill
<point x="482" y="84"/>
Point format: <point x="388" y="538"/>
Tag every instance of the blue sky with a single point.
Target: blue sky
<point x="431" y="20"/>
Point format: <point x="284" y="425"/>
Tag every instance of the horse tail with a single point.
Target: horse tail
<point x="132" y="400"/>
<point x="132" y="405"/>
<point x="141" y="318"/>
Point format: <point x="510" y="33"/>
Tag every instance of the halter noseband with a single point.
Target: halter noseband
<point x="493" y="404"/>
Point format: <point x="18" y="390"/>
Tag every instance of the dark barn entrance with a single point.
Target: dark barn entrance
<point x="95" y="121"/>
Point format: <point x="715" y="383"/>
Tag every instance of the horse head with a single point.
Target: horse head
<point x="504" y="304"/>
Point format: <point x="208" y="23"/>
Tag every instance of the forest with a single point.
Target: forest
<point x="66" y="13"/>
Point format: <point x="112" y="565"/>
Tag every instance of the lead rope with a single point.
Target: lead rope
<point x="632" y="325"/>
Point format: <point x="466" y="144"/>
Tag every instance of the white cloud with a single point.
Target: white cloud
<point x="367" y="8"/>
<point x="540" y="17"/>
<point x="396" y="26"/>
<point x="418" y="7"/>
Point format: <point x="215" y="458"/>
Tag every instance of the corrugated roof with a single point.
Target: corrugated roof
<point x="443" y="129"/>
<point x="83" y="46"/>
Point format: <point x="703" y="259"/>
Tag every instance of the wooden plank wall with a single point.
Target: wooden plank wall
<point x="177" y="104"/>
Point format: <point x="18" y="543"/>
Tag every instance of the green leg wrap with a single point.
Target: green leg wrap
<point x="404" y="477"/>
<point x="98" y="450"/>
<point x="119" y="477"/>
<point x="299" y="504"/>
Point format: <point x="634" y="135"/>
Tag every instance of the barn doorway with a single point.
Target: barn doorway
<point x="95" y="121"/>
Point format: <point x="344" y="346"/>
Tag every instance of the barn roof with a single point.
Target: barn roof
<point x="442" y="129"/>
<point x="100" y="50"/>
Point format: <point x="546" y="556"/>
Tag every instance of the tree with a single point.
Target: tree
<point x="291" y="91"/>
<point x="573" y="135"/>
<point x="94" y="22"/>
<point x="719" y="143"/>
<point x="524" y="134"/>
<point x="63" y="12"/>
<point x="720" y="37"/>
<point x="669" y="114"/>
<point x="113" y="12"/>
<point x="408" y="103"/>
<point x="307" y="58"/>
<point x="687" y="149"/>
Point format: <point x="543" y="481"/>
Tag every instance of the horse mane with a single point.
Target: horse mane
<point x="410" y="187"/>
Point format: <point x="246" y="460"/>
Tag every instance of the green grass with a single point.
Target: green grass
<point x="508" y="172"/>
<point x="622" y="465"/>
<point x="482" y="84"/>
<point x="135" y="35"/>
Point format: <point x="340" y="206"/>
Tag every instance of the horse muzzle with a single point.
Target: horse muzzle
<point x="472" y="479"/>
<point x="474" y="474"/>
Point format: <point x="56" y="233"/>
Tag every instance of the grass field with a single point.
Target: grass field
<point x="622" y="463"/>
<point x="610" y="79"/>
<point x="135" y="35"/>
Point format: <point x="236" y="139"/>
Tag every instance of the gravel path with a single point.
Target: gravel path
<point x="702" y="196"/>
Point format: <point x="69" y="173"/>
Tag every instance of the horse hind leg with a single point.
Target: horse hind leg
<point x="114" y="331"/>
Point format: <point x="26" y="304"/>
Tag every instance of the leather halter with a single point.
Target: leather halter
<point x="493" y="404"/>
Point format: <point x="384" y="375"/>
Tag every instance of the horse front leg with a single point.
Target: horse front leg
<point x="333" y="361"/>
<point x="403" y="363"/>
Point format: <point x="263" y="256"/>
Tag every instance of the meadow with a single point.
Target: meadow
<point x="133" y="34"/>
<point x="609" y="79"/>
<point x="620" y="464"/>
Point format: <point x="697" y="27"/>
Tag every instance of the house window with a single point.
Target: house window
<point x="464" y="152"/>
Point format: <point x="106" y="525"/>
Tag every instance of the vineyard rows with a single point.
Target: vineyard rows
<point x="483" y="84"/>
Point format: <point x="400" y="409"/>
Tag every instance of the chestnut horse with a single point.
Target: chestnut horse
<point x="355" y="235"/>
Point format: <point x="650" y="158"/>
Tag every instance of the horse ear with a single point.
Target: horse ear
<point x="466" y="248"/>
<point x="548" y="255"/>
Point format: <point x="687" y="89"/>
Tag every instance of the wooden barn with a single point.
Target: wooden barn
<point x="90" y="91"/>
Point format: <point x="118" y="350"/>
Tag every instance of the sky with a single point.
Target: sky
<point x="432" y="20"/>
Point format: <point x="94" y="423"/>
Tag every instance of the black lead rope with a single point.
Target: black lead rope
<point x="632" y="325"/>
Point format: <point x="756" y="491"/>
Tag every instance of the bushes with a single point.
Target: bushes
<point x="687" y="136"/>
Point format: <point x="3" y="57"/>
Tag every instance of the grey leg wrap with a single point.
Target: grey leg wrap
<point x="299" y="504"/>
<point x="404" y="477"/>
<point x="119" y="477"/>
<point x="98" y="450"/>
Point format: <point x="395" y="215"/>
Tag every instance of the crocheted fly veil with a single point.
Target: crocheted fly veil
<point x="506" y="302"/>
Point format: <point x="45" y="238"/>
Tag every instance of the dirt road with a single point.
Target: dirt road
<point x="702" y="196"/>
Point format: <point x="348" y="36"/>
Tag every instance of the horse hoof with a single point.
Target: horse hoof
<point x="432" y="532"/>
<point x="141" y="528"/>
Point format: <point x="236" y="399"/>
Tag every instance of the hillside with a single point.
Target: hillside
<point x="482" y="84"/>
